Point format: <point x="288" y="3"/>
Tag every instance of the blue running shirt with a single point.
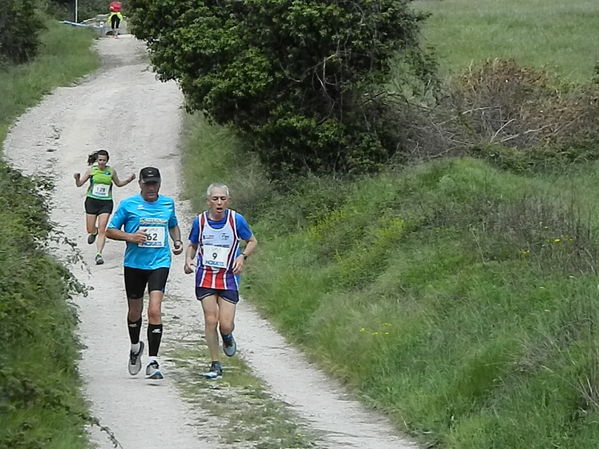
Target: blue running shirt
<point x="155" y="217"/>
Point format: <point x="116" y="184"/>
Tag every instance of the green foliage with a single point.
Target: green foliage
<point x="20" y="26"/>
<point x="298" y="79"/>
<point x="40" y="402"/>
<point x="38" y="377"/>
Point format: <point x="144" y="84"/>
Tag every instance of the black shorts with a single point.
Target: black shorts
<point x="231" y="296"/>
<point x="115" y="21"/>
<point x="94" y="206"/>
<point x="136" y="280"/>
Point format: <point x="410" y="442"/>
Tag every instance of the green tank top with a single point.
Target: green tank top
<point x="100" y="183"/>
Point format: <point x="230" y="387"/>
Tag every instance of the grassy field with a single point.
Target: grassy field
<point x="40" y="401"/>
<point x="558" y="35"/>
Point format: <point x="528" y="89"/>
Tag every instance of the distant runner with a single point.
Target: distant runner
<point x="217" y="233"/>
<point x="148" y="219"/>
<point x="98" y="201"/>
<point x="115" y="17"/>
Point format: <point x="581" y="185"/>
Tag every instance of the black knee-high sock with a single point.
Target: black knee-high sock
<point x="154" y="337"/>
<point x="134" y="330"/>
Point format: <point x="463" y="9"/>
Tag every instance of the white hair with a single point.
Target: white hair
<point x="217" y="185"/>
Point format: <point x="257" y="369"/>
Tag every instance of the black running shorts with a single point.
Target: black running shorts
<point x="136" y="280"/>
<point x="94" y="206"/>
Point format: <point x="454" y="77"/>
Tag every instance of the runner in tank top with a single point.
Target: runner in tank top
<point x="215" y="239"/>
<point x="98" y="199"/>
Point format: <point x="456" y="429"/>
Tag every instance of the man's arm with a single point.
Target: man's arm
<point x="117" y="234"/>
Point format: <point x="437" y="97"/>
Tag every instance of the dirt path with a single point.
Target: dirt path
<point x="123" y="109"/>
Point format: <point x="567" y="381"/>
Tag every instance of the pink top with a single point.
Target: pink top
<point x="115" y="6"/>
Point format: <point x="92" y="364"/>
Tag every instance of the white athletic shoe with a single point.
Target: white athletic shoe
<point x="153" y="371"/>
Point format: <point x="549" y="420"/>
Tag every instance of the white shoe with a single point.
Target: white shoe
<point x="153" y="371"/>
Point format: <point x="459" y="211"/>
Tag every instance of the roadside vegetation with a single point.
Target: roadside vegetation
<point x="41" y="406"/>
<point x="456" y="290"/>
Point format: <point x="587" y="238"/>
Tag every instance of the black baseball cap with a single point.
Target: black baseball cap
<point x="149" y="174"/>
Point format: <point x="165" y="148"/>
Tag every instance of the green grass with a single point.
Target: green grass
<point x="431" y="309"/>
<point x="211" y="151"/>
<point x="40" y="401"/>
<point x="65" y="57"/>
<point x="557" y="35"/>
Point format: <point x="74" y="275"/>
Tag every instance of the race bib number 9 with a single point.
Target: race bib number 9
<point x="156" y="237"/>
<point x="215" y="256"/>
<point x="101" y="190"/>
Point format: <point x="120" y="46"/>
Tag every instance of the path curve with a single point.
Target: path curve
<point x="124" y="109"/>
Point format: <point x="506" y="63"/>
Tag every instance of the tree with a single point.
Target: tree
<point x="20" y="26"/>
<point x="299" y="78"/>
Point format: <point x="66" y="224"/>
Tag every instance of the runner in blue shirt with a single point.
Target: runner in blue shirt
<point x="145" y="222"/>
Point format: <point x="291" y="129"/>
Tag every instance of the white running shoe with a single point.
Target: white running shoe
<point x="153" y="371"/>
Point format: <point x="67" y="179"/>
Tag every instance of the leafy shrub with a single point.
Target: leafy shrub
<point x="38" y="324"/>
<point x="296" y="78"/>
<point x="20" y="26"/>
<point x="64" y="9"/>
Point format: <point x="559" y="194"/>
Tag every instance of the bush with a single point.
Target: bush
<point x="86" y="9"/>
<point x="296" y="78"/>
<point x="516" y="117"/>
<point x="20" y="26"/>
<point x="505" y="105"/>
<point x="38" y="324"/>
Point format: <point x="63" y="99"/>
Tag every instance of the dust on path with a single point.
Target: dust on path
<point x="124" y="109"/>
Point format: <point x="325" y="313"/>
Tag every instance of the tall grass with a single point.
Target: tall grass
<point x="214" y="154"/>
<point x="41" y="406"/>
<point x="558" y="35"/>
<point x="427" y="293"/>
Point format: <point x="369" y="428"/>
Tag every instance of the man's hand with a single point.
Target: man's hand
<point x="189" y="266"/>
<point x="177" y="247"/>
<point x="139" y="237"/>
<point x="238" y="264"/>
